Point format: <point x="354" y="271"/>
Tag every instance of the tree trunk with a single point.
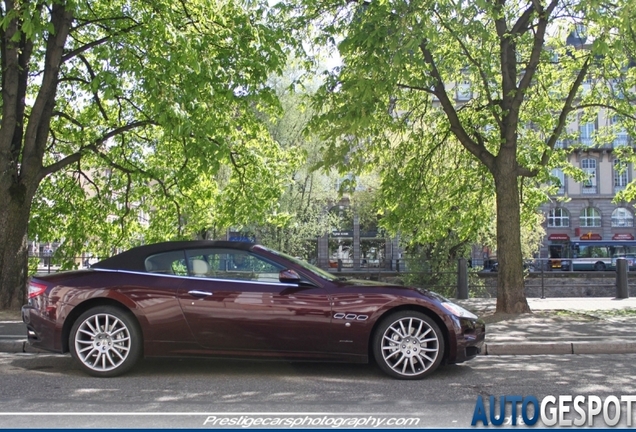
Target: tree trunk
<point x="14" y="217"/>
<point x="22" y="145"/>
<point x="511" y="298"/>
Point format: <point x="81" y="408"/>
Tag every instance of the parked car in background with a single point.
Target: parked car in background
<point x="528" y="265"/>
<point x="190" y="298"/>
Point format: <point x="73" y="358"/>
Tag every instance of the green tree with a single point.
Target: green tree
<point x="497" y="78"/>
<point x="112" y="107"/>
<point x="301" y="211"/>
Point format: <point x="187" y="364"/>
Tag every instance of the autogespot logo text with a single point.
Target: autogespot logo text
<point x="562" y="410"/>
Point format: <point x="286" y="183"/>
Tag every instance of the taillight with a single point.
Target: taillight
<point x="36" y="289"/>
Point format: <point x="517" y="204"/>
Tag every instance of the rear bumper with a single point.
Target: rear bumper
<point x="41" y="331"/>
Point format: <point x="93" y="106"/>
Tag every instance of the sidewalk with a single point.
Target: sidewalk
<point x="577" y="325"/>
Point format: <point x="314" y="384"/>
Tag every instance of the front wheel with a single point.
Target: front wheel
<point x="106" y="341"/>
<point x="408" y="345"/>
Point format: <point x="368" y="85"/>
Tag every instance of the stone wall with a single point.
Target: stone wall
<point x="570" y="284"/>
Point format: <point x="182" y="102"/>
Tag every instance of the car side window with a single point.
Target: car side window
<point x="167" y="263"/>
<point x="231" y="264"/>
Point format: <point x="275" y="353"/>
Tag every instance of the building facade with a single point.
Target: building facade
<point x="587" y="210"/>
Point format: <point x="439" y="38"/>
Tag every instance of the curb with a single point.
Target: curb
<point x="545" y="348"/>
<point x="491" y="349"/>
<point x="18" y="346"/>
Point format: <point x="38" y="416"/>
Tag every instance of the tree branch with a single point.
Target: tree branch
<point x="94" y="147"/>
<point x="522" y="23"/>
<point x="39" y="120"/>
<point x="507" y="58"/>
<point x="535" y="55"/>
<point x="98" y="101"/>
<point x="10" y="77"/>
<point x="606" y="106"/>
<point x="81" y="172"/>
<point x="69" y="118"/>
<point x="412" y="87"/>
<point x="565" y="111"/>
<point x="95" y="43"/>
<point x="472" y="60"/>
<point x="479" y="151"/>
<point x="84" y="23"/>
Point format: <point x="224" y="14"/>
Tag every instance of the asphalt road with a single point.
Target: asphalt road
<point x="12" y="330"/>
<point x="48" y="391"/>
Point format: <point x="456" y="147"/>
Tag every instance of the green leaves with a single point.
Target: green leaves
<point x="157" y="131"/>
<point x="443" y="97"/>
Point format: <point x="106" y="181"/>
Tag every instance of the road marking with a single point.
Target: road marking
<point x="286" y="413"/>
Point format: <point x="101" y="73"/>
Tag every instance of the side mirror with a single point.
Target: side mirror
<point x="289" y="276"/>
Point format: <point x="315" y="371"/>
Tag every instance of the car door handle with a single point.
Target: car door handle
<point x="200" y="293"/>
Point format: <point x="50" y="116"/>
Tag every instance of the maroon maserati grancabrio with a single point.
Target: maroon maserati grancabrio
<point x="233" y="299"/>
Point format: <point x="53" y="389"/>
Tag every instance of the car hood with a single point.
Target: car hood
<point x="370" y="283"/>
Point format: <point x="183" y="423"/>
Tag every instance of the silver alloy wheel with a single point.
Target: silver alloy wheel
<point x="410" y="346"/>
<point x="102" y="342"/>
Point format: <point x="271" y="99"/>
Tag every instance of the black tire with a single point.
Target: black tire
<point x="106" y="341"/>
<point x="408" y="345"/>
<point x="599" y="266"/>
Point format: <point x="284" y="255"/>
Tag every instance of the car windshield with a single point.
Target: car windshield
<point x="304" y="264"/>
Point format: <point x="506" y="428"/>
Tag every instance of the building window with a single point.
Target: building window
<point x="621" y="217"/>
<point x="586" y="131"/>
<point x="142" y="218"/>
<point x="617" y="86"/>
<point x="580" y="31"/>
<point x="558" y="179"/>
<point x="433" y="95"/>
<point x="463" y="91"/>
<point x="621" y="136"/>
<point x="590" y="217"/>
<point x="589" y="168"/>
<point x="621" y="175"/>
<point x="555" y="56"/>
<point x="558" y="217"/>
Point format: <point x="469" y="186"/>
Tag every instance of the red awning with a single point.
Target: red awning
<point x="562" y="237"/>
<point x="591" y="236"/>
<point x="623" y="236"/>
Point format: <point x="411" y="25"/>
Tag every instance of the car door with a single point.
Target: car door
<point x="245" y="309"/>
<point x="156" y="296"/>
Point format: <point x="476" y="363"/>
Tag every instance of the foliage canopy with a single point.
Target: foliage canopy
<point x="113" y="107"/>
<point x="463" y="102"/>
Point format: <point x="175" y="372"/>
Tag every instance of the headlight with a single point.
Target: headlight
<point x="458" y="311"/>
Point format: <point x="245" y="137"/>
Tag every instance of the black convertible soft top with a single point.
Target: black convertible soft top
<point x="134" y="259"/>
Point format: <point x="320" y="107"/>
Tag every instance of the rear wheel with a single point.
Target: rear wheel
<point x="599" y="266"/>
<point x="106" y="341"/>
<point x="408" y="345"/>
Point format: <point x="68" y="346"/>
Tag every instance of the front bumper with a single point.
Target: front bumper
<point x="470" y="339"/>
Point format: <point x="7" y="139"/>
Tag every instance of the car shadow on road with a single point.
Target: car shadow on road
<point x="236" y="368"/>
<point x="247" y="368"/>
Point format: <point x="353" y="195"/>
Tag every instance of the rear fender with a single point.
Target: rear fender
<point x="85" y="300"/>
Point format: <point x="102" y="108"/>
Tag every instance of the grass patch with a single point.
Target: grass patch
<point x="614" y="313"/>
<point x="490" y="317"/>
<point x="572" y="315"/>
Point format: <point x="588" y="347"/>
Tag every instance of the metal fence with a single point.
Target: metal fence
<point x="542" y="278"/>
<point x="52" y="262"/>
<point x="440" y="276"/>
